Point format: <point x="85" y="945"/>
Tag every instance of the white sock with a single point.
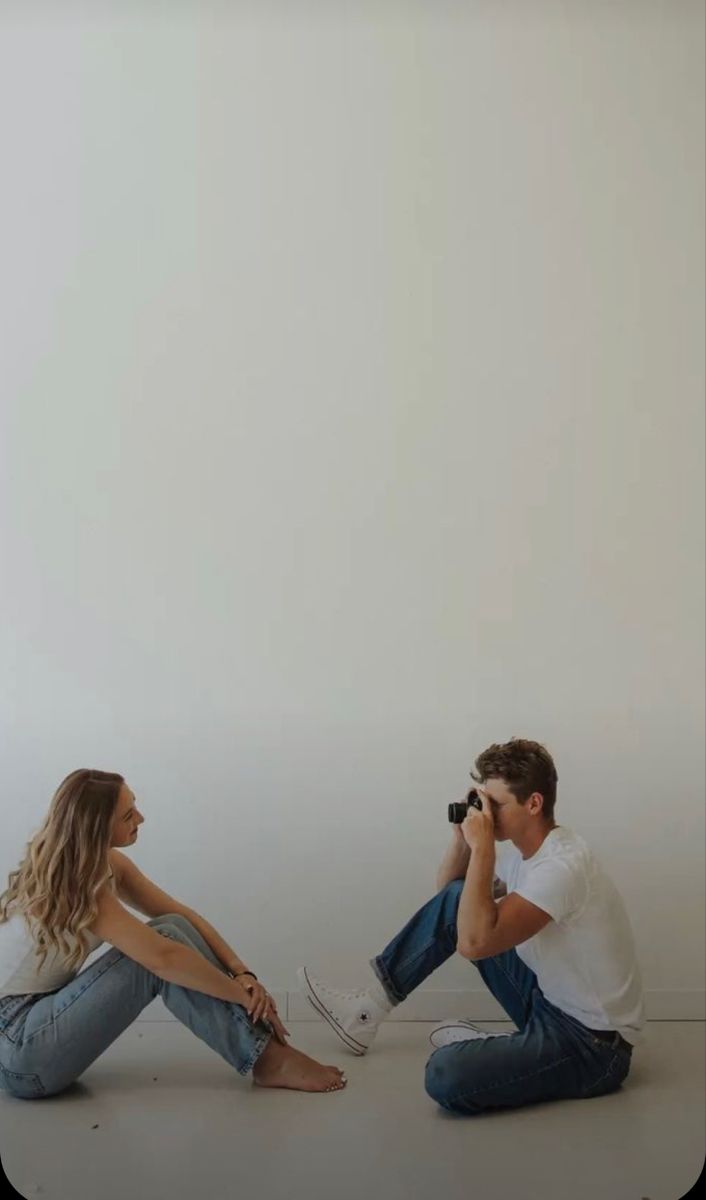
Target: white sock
<point x="379" y="996"/>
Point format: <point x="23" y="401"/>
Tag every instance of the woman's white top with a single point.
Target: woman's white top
<point x="20" y="973"/>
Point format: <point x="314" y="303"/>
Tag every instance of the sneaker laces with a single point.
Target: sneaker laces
<point x="366" y="1013"/>
<point x="359" y="995"/>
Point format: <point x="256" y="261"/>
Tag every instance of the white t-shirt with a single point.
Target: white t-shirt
<point x="584" y="959"/>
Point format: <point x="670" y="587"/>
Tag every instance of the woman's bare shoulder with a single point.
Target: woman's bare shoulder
<point x="117" y="861"/>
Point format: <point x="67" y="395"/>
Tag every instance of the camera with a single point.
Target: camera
<point x="459" y="811"/>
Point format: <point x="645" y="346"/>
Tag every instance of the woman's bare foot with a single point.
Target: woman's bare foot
<point x="284" y="1067"/>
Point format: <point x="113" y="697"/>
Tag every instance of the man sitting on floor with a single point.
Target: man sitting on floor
<point x="556" y="950"/>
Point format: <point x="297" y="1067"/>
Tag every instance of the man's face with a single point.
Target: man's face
<point x="509" y="815"/>
<point x="126" y="819"/>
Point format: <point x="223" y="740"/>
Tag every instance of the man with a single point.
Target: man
<point x="556" y="951"/>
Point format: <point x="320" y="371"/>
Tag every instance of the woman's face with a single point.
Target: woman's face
<point x="126" y="820"/>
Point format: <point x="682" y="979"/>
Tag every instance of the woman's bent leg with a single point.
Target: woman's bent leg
<point x="64" y="1032"/>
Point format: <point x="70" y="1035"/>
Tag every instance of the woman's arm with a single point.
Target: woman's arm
<point x="162" y="956"/>
<point x="140" y="893"/>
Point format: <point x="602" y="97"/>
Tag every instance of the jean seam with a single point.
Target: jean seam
<point x="526" y="1000"/>
<point x="604" y="1076"/>
<point x="410" y="961"/>
<point x="260" y="1043"/>
<point x="461" y="1096"/>
<point x="94" y="978"/>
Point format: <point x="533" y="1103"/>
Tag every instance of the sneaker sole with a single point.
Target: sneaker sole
<point x="452" y="1041"/>
<point x="311" y="997"/>
<point x="474" y="1035"/>
<point x="461" y="1027"/>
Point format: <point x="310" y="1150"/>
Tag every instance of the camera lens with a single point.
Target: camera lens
<point x="459" y="810"/>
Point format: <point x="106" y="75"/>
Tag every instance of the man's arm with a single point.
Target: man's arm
<point x="455" y="864"/>
<point x="477" y="909"/>
<point x="455" y="861"/>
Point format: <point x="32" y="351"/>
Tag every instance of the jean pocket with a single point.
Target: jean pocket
<point x="20" y="1084"/>
<point x="612" y="1071"/>
<point x="13" y="1010"/>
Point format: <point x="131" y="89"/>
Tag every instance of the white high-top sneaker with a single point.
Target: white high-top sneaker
<point x="354" y="1016"/>
<point x="459" y="1029"/>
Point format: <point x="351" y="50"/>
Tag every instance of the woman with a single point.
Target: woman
<point x="67" y="896"/>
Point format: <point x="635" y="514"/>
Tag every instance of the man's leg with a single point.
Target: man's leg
<point x="426" y="941"/>
<point x="548" y="1059"/>
<point x="429" y="939"/>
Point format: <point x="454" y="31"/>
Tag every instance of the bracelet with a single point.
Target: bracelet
<point x="254" y="976"/>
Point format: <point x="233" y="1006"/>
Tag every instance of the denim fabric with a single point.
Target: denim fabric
<point x="552" y="1056"/>
<point x="48" y="1041"/>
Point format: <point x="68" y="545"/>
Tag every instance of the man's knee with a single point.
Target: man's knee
<point x="445" y="1080"/>
<point x="440" y="1077"/>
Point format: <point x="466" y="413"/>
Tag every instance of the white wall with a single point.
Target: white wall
<point x="352" y="385"/>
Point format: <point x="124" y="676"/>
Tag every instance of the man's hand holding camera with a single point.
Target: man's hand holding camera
<point x="478" y="828"/>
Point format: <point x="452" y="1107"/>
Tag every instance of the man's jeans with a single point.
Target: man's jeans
<point x="46" y="1042"/>
<point x="551" y="1057"/>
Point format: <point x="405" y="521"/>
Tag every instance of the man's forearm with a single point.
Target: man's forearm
<point x="223" y="952"/>
<point x="477" y="911"/>
<point x="454" y="863"/>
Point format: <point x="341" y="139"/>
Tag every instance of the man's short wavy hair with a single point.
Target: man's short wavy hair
<point x="525" y="767"/>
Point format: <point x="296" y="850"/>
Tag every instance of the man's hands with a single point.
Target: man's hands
<point x="478" y="829"/>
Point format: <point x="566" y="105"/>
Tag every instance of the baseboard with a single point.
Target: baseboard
<point x="687" y="1004"/>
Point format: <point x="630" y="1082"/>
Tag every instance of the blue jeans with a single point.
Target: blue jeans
<point x="551" y="1057"/>
<point x="47" y="1041"/>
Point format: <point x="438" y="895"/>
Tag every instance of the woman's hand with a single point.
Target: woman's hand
<point x="258" y="999"/>
<point x="260" y="1006"/>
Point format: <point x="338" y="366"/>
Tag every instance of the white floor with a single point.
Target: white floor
<point x="173" y="1120"/>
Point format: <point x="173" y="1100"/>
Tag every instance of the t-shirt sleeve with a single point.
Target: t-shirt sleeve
<point x="556" y="887"/>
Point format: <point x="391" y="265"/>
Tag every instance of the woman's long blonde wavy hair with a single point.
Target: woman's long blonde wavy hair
<point x="65" y="865"/>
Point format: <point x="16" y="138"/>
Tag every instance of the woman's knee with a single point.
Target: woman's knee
<point x="172" y="921"/>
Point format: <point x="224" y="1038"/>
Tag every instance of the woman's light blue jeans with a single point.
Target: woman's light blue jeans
<point x="48" y="1041"/>
<point x="551" y="1057"/>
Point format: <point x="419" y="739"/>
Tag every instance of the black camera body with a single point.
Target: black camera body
<point x="459" y="810"/>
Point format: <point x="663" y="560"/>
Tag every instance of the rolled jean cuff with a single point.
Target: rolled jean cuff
<point x="383" y="977"/>
<point x="261" y="1041"/>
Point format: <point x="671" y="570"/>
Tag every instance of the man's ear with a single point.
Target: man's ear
<point x="538" y="796"/>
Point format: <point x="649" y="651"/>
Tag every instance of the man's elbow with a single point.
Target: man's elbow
<point x="466" y="950"/>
